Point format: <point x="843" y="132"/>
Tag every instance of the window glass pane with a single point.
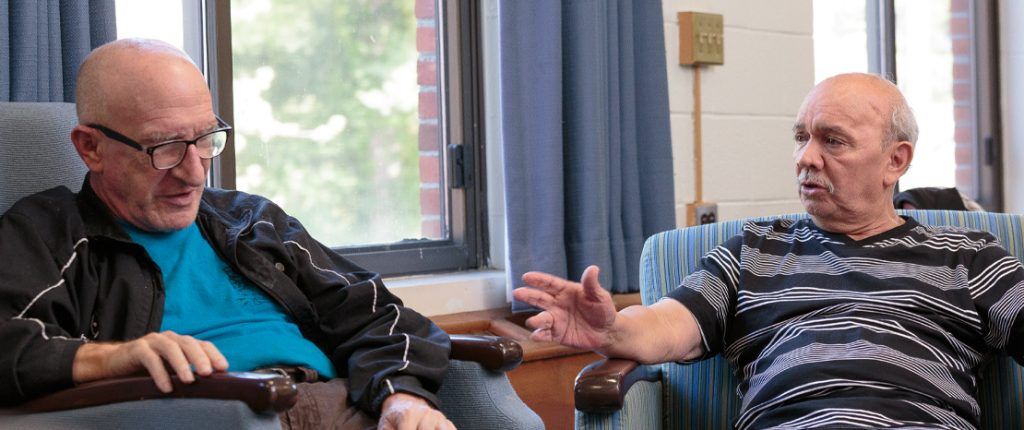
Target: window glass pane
<point x="151" y="19"/>
<point x="840" y="38"/>
<point x="336" y="115"/>
<point x="933" y="56"/>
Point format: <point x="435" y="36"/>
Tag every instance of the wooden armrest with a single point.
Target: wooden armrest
<point x="601" y="387"/>
<point x="261" y="391"/>
<point x="497" y="354"/>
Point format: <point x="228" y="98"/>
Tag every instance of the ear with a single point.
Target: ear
<point x="86" y="141"/>
<point x="900" y="155"/>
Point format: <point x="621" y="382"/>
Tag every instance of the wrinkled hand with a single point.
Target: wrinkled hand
<point x="155" y="353"/>
<point x="402" y="411"/>
<point x="574" y="314"/>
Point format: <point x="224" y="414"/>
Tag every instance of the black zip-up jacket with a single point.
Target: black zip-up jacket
<point x="69" y="274"/>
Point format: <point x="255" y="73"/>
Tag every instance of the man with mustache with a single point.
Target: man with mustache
<point x="856" y="316"/>
<point x="147" y="271"/>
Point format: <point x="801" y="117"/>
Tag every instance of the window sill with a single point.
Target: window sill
<point x="451" y="293"/>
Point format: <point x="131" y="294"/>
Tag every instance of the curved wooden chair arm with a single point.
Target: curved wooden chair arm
<point x="498" y="354"/>
<point x="261" y="391"/>
<point x="601" y="387"/>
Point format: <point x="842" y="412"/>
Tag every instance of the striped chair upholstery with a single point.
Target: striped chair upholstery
<point x="703" y="396"/>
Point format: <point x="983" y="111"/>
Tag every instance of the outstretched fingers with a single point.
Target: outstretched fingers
<point x="548" y="283"/>
<point x="542" y="324"/>
<point x="591" y="285"/>
<point x="543" y="320"/>
<point x="541" y="335"/>
<point x="534" y="297"/>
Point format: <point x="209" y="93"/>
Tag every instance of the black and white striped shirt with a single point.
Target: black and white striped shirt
<point x="824" y="331"/>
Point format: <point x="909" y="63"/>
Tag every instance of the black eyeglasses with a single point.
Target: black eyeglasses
<point x="166" y="155"/>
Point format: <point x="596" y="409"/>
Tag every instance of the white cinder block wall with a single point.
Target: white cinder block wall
<point x="748" y="106"/>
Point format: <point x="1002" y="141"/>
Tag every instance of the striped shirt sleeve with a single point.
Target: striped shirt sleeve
<point x="997" y="286"/>
<point x="709" y="293"/>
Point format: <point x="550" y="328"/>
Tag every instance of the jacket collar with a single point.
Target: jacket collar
<point x="96" y="216"/>
<point x="100" y="221"/>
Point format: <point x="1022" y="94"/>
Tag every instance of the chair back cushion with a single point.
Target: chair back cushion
<point x="703" y="395"/>
<point x="473" y="397"/>
<point x="36" y="153"/>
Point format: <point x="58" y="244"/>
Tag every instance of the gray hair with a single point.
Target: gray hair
<point x="902" y="125"/>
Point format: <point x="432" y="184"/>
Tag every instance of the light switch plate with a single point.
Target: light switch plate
<point x="701" y="38"/>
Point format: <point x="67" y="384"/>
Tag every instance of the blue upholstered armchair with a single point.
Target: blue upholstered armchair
<point x="36" y="154"/>
<point x="614" y="394"/>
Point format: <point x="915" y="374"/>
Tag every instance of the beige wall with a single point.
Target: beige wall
<point x="748" y="105"/>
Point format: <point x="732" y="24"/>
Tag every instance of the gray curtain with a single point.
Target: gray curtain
<point x="42" y="43"/>
<point x="585" y="133"/>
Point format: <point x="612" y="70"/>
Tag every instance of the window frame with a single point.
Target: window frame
<point x="988" y="102"/>
<point x="460" y="76"/>
<point x="988" y="168"/>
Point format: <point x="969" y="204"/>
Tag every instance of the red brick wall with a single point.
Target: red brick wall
<point x="963" y="96"/>
<point x="429" y="132"/>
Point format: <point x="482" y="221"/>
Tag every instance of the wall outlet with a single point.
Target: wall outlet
<point x="701" y="38"/>
<point x="699" y="213"/>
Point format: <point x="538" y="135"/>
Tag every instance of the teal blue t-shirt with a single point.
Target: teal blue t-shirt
<point x="208" y="300"/>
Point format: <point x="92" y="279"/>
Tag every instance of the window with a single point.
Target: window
<point x="925" y="68"/>
<point x="361" y="118"/>
<point x="840" y="38"/>
<point x="940" y="55"/>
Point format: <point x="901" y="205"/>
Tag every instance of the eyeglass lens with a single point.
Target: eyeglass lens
<point x="169" y="155"/>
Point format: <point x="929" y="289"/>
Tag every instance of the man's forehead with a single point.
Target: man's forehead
<point x="821" y="127"/>
<point x="839" y="111"/>
<point x="824" y="118"/>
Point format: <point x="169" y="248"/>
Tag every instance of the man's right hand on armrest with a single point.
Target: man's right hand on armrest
<point x="154" y="353"/>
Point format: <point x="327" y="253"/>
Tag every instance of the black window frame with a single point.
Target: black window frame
<point x="461" y="124"/>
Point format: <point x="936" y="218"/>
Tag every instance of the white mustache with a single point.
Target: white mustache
<point x="806" y="177"/>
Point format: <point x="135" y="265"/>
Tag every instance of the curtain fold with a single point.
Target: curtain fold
<point x="585" y="135"/>
<point x="43" y="42"/>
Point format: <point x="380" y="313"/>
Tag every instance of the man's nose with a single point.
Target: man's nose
<point x="808" y="155"/>
<point x="192" y="169"/>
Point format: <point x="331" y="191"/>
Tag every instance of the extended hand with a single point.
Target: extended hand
<point x="402" y="411"/>
<point x="151" y="352"/>
<point x="574" y="314"/>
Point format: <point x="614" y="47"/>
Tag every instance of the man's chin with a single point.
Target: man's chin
<point x="815" y="208"/>
<point x="173" y="220"/>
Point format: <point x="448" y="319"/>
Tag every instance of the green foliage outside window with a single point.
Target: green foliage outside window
<point x="326" y="114"/>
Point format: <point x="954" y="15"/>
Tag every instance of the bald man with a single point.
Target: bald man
<point x="854" y="317"/>
<point x="146" y="270"/>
